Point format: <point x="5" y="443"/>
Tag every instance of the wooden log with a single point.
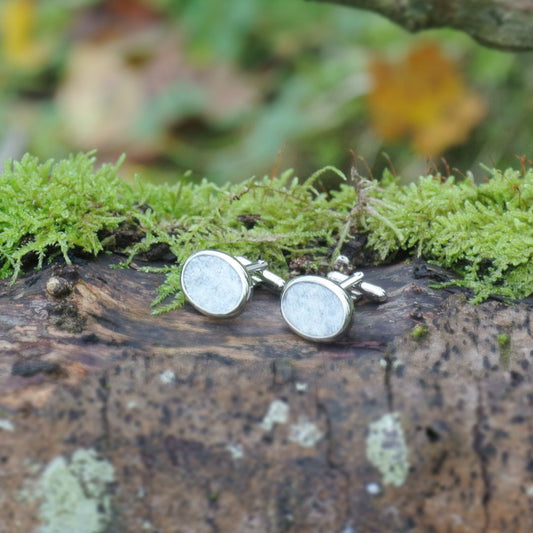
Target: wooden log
<point x="113" y="419"/>
<point x="504" y="24"/>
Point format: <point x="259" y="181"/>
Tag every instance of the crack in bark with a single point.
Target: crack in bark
<point x="103" y="395"/>
<point x="332" y="464"/>
<point x="387" y="381"/>
<point x="477" y="445"/>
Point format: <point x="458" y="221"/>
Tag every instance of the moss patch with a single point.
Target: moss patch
<point x="419" y="332"/>
<point x="483" y="232"/>
<point x="46" y="208"/>
<point x="504" y="343"/>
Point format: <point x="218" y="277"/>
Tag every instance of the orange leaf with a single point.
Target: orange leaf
<point x="423" y="99"/>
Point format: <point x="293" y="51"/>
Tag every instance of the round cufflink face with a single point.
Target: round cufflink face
<point x="316" y="308"/>
<point x="215" y="284"/>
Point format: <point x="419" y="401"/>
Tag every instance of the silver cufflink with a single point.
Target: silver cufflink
<point x="321" y="309"/>
<point x="219" y="285"/>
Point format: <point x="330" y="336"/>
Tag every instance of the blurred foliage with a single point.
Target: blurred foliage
<point x="251" y="86"/>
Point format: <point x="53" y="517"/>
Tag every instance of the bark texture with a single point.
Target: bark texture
<point x="116" y="420"/>
<point x="504" y="24"/>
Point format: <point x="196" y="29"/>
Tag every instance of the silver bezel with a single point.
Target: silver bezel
<point x="343" y="297"/>
<point x="244" y="278"/>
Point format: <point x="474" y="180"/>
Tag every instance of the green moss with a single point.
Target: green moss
<point x="419" y="332"/>
<point x="48" y="208"/>
<point x="504" y="342"/>
<point x="483" y="232"/>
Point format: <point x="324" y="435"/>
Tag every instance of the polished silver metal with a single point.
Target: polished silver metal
<point x="219" y="285"/>
<point x="321" y="309"/>
<point x="374" y="292"/>
<point x="270" y="280"/>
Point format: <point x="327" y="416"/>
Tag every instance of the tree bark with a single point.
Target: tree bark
<point x="503" y="24"/>
<point x="420" y="419"/>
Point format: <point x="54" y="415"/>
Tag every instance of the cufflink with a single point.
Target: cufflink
<point x="219" y="285"/>
<point x="321" y="309"/>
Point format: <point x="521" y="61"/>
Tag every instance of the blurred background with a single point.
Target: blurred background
<point x="252" y="87"/>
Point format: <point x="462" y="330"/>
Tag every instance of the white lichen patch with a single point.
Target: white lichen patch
<point x="74" y="494"/>
<point x="6" y="424"/>
<point x="386" y="449"/>
<point x="305" y="433"/>
<point x="529" y="491"/>
<point x="167" y="377"/>
<point x="235" y="450"/>
<point x="301" y="386"/>
<point x="278" y="413"/>
<point x="374" y="489"/>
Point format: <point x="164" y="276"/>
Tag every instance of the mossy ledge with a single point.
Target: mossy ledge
<point x="484" y="232"/>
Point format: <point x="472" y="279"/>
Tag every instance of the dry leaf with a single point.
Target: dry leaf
<point x="423" y="99"/>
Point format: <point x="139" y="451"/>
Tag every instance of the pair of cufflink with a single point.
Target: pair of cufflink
<point x="319" y="309"/>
